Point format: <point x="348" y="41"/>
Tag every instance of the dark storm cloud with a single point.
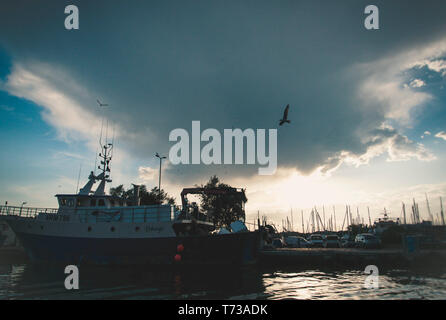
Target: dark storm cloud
<point x="226" y="63"/>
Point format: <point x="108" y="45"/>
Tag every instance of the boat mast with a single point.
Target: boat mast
<point x="404" y="213"/>
<point x="442" y="213"/>
<point x="429" y="209"/>
<point x="323" y="213"/>
<point x="312" y="221"/>
<point x="104" y="176"/>
<point x="351" y="216"/>
<point x="334" y="215"/>
<point x="370" y="220"/>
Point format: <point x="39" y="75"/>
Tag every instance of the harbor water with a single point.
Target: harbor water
<point x="24" y="281"/>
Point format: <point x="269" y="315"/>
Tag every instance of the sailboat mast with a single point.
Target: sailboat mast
<point x="370" y="220"/>
<point x="351" y="216"/>
<point x="323" y="212"/>
<point x="442" y="213"/>
<point x="345" y="217"/>
<point x="404" y="213"/>
<point x="429" y="209"/>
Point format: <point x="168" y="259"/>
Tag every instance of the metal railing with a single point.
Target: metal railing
<point x="96" y="214"/>
<point x="25" y="211"/>
<point x="137" y="214"/>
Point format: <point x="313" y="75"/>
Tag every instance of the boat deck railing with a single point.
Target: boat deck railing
<point x="155" y="213"/>
<point x="24" y="211"/>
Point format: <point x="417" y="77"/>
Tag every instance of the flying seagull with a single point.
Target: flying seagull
<point x="285" y="116"/>
<point x="101" y="104"/>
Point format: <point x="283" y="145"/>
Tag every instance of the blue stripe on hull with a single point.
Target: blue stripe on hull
<point x="237" y="248"/>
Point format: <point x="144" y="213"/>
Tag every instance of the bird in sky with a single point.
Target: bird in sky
<point x="285" y="116"/>
<point x="101" y="104"/>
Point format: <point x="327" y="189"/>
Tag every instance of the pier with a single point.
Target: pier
<point x="351" y="257"/>
<point x="316" y="257"/>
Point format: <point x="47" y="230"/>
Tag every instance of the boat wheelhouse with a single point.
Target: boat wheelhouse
<point x="382" y="224"/>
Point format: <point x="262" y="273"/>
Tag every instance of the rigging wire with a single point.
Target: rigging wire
<point x="78" y="177"/>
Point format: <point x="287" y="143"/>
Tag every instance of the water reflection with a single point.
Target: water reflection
<point x="30" y="282"/>
<point x="349" y="284"/>
<point x="37" y="282"/>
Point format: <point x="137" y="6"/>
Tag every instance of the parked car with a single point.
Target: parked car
<point x="367" y="240"/>
<point x="316" y="241"/>
<point x="332" y="241"/>
<point x="296" y="242"/>
<point x="278" y="243"/>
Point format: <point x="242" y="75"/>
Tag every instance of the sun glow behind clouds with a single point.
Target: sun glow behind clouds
<point x="299" y="194"/>
<point x="307" y="191"/>
<point x="291" y="189"/>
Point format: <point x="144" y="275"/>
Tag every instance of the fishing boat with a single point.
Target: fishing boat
<point x="92" y="227"/>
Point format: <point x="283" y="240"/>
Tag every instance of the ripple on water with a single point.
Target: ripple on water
<point x="314" y="284"/>
<point x="28" y="282"/>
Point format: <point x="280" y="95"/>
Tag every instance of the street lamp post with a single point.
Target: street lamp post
<point x="159" y="182"/>
<point x="21" y="207"/>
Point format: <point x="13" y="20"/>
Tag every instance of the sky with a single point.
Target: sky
<point x="367" y="107"/>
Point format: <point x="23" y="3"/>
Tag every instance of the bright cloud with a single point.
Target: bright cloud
<point x="39" y="83"/>
<point x="147" y="174"/>
<point x="417" y="83"/>
<point x="69" y="108"/>
<point x="437" y="65"/>
<point x="384" y="85"/>
<point x="380" y="141"/>
<point x="441" y="135"/>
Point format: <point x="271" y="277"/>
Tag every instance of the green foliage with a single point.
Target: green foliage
<point x="151" y="197"/>
<point x="223" y="209"/>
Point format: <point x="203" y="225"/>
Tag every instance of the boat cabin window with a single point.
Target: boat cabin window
<point x="101" y="203"/>
<point x="93" y="203"/>
<point x="64" y="202"/>
<point x="112" y="202"/>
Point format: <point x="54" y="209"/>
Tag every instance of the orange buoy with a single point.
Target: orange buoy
<point x="180" y="248"/>
<point x="177" y="257"/>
